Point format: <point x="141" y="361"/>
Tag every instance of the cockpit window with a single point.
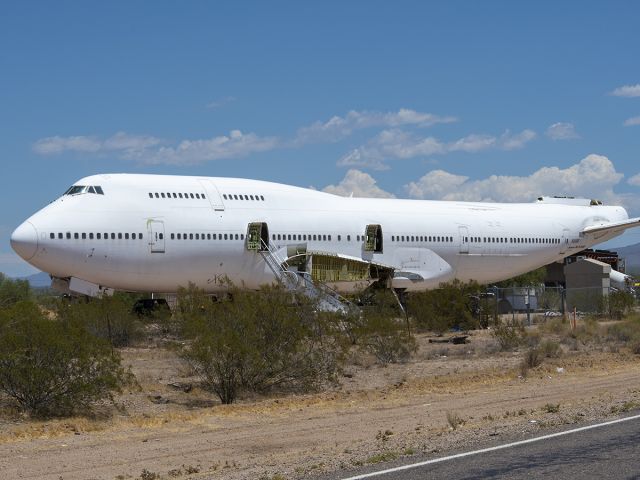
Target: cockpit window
<point x="75" y="190"/>
<point x="78" y="189"/>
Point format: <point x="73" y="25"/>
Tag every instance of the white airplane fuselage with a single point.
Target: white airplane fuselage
<point x="163" y="232"/>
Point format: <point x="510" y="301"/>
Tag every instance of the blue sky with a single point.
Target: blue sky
<point x="498" y="101"/>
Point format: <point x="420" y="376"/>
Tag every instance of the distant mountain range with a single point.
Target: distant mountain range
<point x="38" y="280"/>
<point x="631" y="255"/>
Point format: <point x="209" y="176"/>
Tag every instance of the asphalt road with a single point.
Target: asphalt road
<point x="604" y="452"/>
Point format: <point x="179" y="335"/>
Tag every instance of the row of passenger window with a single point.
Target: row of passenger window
<point x="512" y="240"/>
<point x="97" y="236"/>
<point x="176" y="195"/>
<point x="421" y="238"/>
<point x="313" y="237"/>
<point x="242" y="197"/>
<point x="207" y="236"/>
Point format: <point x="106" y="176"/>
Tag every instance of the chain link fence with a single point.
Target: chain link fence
<point x="533" y="304"/>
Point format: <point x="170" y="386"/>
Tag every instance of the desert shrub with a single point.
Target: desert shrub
<point x="550" y="349"/>
<point x="353" y="325"/>
<point x="617" y="304"/>
<point x="451" y="305"/>
<point x="13" y="291"/>
<point x="259" y="341"/>
<point x="533" y="357"/>
<point x="549" y="299"/>
<point x="454" y="420"/>
<point x="627" y="331"/>
<point x="381" y="329"/>
<point x="555" y="325"/>
<point x="387" y="339"/>
<point x="532" y="338"/>
<point x="108" y="317"/>
<point x="510" y="334"/>
<point x="588" y="331"/>
<point x="51" y="367"/>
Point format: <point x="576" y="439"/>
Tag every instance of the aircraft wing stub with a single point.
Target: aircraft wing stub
<point x="613" y="226"/>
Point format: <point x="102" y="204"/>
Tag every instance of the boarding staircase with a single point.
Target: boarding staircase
<point x="328" y="299"/>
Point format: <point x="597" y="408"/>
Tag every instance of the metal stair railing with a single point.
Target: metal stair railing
<point x="328" y="299"/>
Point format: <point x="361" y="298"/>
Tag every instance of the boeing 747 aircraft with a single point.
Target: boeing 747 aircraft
<point x="155" y="233"/>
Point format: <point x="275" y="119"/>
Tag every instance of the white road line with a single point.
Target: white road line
<point x="490" y="449"/>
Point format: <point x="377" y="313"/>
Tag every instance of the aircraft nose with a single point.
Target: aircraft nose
<point x="24" y="240"/>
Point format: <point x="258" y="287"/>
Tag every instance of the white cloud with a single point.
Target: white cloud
<point x="54" y="145"/>
<point x="121" y="141"/>
<point x="391" y="144"/>
<point x="635" y="180"/>
<point x="191" y="152"/>
<point x="398" y="144"/>
<point x="510" y="141"/>
<point x="220" y="102"/>
<point x="337" y="128"/>
<point x="473" y="143"/>
<point x="593" y="177"/>
<point x="435" y="184"/>
<point x="630" y="122"/>
<point x="627" y="91"/>
<point x="358" y="184"/>
<point x="152" y="150"/>
<point x="562" y="131"/>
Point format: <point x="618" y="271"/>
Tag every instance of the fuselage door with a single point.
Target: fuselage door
<point x="215" y="199"/>
<point x="464" y="239"/>
<point x="156" y="236"/>
<point x="564" y="241"/>
<point x="373" y="239"/>
<point x="257" y="237"/>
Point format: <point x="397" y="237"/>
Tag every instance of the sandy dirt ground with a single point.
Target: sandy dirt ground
<point x="375" y="414"/>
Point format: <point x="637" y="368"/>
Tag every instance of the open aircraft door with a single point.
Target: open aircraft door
<point x="373" y="239"/>
<point x="257" y="237"/>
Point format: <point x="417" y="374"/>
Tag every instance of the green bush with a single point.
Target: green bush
<point x="259" y="341"/>
<point x="550" y="349"/>
<point x="382" y="330"/>
<point x="13" y="291"/>
<point x="627" y="331"/>
<point x="510" y="334"/>
<point x="51" y="367"/>
<point x="388" y="340"/>
<point x="618" y="304"/>
<point x="451" y="305"/>
<point x="533" y="357"/>
<point x="108" y="317"/>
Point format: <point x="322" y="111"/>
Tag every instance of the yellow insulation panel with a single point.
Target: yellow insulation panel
<point x="326" y="268"/>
